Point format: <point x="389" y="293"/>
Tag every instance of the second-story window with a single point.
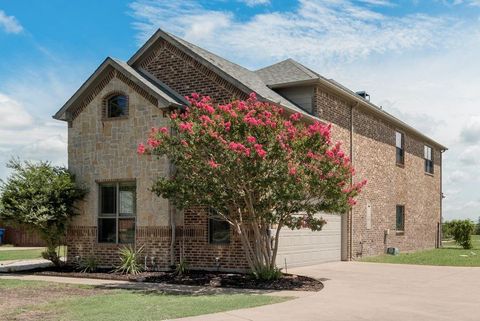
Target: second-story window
<point x="428" y="155"/>
<point x="400" y="148"/>
<point x="117" y="106"/>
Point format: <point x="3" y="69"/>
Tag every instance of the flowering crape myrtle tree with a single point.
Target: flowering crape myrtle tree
<point x="256" y="166"/>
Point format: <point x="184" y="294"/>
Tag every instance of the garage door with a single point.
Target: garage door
<point x="304" y="247"/>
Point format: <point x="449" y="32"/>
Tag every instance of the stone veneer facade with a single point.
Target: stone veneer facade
<point x="102" y="150"/>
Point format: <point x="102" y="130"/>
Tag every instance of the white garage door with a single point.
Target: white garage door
<point x="304" y="247"/>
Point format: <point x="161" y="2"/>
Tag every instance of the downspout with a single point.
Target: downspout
<point x="350" y="236"/>
<point x="439" y="234"/>
<point x="171" y="212"/>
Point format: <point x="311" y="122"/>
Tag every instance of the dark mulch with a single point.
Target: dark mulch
<point x="200" y="278"/>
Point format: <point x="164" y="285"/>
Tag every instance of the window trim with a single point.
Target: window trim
<point x="402" y="163"/>
<point x="402" y="231"/>
<point x="109" y="96"/>
<point x="425" y="160"/>
<point x="117" y="217"/>
<point x="211" y="214"/>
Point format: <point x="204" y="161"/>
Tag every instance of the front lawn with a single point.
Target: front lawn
<point x="19" y="254"/>
<point x="450" y="255"/>
<point x="50" y="301"/>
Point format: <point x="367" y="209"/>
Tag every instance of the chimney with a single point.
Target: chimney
<point x="363" y="94"/>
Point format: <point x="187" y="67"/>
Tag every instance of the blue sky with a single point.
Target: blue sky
<point x="417" y="59"/>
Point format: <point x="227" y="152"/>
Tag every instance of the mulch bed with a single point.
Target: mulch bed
<point x="200" y="278"/>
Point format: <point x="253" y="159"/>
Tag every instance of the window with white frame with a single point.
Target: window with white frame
<point x="400" y="148"/>
<point x="428" y="155"/>
<point x="117" y="213"/>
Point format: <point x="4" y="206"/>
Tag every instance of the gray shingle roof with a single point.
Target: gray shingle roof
<point x="286" y="71"/>
<point x="245" y="79"/>
<point x="164" y="94"/>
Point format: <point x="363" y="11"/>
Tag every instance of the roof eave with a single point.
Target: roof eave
<point x="371" y="107"/>
<point x="61" y="113"/>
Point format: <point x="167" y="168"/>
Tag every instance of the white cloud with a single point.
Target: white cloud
<point x="337" y="30"/>
<point x="471" y="132"/>
<point x="252" y="3"/>
<point x="13" y="114"/>
<point x="380" y="3"/>
<point x="9" y="23"/>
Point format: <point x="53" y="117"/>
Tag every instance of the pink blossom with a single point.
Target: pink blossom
<point x="227" y="125"/>
<point x="252" y="96"/>
<point x="292" y="171"/>
<point x="251" y="139"/>
<point x="173" y="116"/>
<point x="186" y="127"/>
<point x="164" y="130"/>
<point x="295" y="116"/>
<point x="141" y="149"/>
<point x="213" y="164"/>
<point x="152" y="142"/>
<point x="351" y="201"/>
<point x="209" y="109"/>
<point x="184" y="142"/>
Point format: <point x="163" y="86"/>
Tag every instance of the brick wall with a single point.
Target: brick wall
<point x="373" y="142"/>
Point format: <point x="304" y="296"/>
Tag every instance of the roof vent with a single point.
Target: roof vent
<point x="363" y="94"/>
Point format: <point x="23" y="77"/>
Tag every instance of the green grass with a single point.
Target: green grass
<point x="450" y="255"/>
<point x="23" y="254"/>
<point x="91" y="303"/>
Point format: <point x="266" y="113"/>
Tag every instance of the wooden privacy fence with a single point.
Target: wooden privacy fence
<point x="21" y="236"/>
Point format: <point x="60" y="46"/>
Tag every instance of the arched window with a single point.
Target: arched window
<point x="117" y="106"/>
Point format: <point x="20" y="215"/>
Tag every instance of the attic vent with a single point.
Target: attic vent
<point x="363" y="94"/>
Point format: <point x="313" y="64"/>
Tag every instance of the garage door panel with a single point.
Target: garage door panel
<point x="304" y="247"/>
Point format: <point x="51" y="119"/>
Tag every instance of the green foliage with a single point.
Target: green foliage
<point x="447" y="230"/>
<point x="87" y="265"/>
<point x="182" y="267"/>
<point x="129" y="260"/>
<point x="268" y="274"/>
<point x="41" y="197"/>
<point x="477" y="227"/>
<point x="462" y="232"/>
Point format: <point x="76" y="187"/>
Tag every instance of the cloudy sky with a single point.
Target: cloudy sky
<point x="419" y="60"/>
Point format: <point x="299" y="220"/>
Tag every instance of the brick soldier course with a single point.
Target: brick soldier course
<point x="101" y="149"/>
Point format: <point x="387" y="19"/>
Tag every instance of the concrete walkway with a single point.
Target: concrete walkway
<point x="375" y="292"/>
<point x="23" y="265"/>
<point x="15" y="248"/>
<point x="143" y="286"/>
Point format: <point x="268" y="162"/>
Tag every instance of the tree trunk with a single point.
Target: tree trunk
<point x="259" y="247"/>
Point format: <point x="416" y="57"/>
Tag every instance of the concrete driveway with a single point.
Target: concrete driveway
<point x="371" y="291"/>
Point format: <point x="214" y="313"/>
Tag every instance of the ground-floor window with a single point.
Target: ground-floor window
<point x="117" y="212"/>
<point x="218" y="229"/>
<point x="400" y="221"/>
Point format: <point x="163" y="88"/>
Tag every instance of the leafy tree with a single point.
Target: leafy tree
<point x="257" y="167"/>
<point x="462" y="232"/>
<point x="477" y="227"/>
<point x="40" y="197"/>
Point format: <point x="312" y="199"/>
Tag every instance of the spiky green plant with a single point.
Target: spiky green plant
<point x="129" y="259"/>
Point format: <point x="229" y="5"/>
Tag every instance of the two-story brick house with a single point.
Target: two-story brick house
<point x="115" y="108"/>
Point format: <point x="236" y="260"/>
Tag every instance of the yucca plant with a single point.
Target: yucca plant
<point x="129" y="260"/>
<point x="182" y="267"/>
<point x="88" y="265"/>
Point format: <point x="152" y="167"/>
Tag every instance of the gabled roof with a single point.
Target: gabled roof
<point x="163" y="94"/>
<point x="286" y="71"/>
<point x="244" y="79"/>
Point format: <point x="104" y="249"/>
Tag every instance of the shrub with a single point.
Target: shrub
<point x="447" y="230"/>
<point x="42" y="197"/>
<point x="268" y="274"/>
<point x="182" y="267"/>
<point x="462" y="232"/>
<point x="129" y="260"/>
<point x="88" y="265"/>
